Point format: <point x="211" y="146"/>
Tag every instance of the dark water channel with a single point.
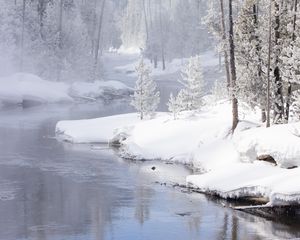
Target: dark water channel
<point x="51" y="190"/>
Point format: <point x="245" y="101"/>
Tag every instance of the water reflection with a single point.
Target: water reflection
<point x="50" y="190"/>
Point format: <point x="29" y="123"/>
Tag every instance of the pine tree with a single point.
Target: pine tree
<point x="192" y="80"/>
<point x="251" y="85"/>
<point x="146" y="97"/>
<point x="177" y="104"/>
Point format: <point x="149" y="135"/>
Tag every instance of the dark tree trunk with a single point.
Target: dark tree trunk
<point x="289" y="90"/>
<point x="60" y="42"/>
<point x="259" y="66"/>
<point x="224" y="38"/>
<point x="22" y="37"/>
<point x="269" y="66"/>
<point x="162" y="44"/>
<point x="41" y="12"/>
<point x="235" y="115"/>
<point x="146" y="21"/>
<point x="97" y="44"/>
<point x="279" y="107"/>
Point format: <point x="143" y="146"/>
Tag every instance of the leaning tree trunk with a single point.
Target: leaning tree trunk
<point x="235" y="115"/>
<point x="224" y="38"/>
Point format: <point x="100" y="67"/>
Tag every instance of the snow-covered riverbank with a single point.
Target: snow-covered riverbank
<point x="28" y="89"/>
<point x="203" y="140"/>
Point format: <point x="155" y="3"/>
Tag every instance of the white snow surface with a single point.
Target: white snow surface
<point x="208" y="60"/>
<point x="204" y="141"/>
<point x="21" y="87"/>
<point x="99" y="89"/>
<point x="99" y="130"/>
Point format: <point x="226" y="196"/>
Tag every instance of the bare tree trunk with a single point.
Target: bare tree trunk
<point x="98" y="38"/>
<point x="22" y="37"/>
<point x="41" y="13"/>
<point x="224" y="38"/>
<point x="60" y="41"/>
<point x="259" y="66"/>
<point x="162" y="38"/>
<point x="146" y="21"/>
<point x="269" y="66"/>
<point x="235" y="114"/>
<point x="279" y="107"/>
<point x="94" y="27"/>
<point x="289" y="92"/>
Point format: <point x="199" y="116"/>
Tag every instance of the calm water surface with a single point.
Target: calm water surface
<point x="51" y="190"/>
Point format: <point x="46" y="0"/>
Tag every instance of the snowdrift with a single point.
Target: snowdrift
<point x="107" y="90"/>
<point x="24" y="88"/>
<point x="28" y="89"/>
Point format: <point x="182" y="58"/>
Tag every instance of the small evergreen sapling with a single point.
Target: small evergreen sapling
<point x="146" y="97"/>
<point x="175" y="104"/>
<point x="192" y="80"/>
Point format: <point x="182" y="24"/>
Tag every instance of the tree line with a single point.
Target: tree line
<point x="259" y="40"/>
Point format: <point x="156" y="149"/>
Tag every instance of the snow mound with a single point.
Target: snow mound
<point x="258" y="179"/>
<point x="269" y="141"/>
<point x="22" y="88"/>
<point x="100" y="130"/>
<point x="100" y="89"/>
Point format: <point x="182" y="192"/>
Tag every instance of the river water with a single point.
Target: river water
<point x="57" y="191"/>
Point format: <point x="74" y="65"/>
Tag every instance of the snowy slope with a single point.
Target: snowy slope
<point x="25" y="88"/>
<point x="21" y="87"/>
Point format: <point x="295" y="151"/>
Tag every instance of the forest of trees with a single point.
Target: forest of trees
<point x="259" y="40"/>
<point x="63" y="40"/>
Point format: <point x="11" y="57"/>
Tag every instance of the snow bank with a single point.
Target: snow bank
<point x="22" y="87"/>
<point x="100" y="89"/>
<point x="282" y="142"/>
<point x="29" y="89"/>
<point x="100" y="130"/>
<point x="204" y="140"/>
<point x="258" y="179"/>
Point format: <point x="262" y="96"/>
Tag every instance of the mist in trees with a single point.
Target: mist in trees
<point x="64" y="40"/>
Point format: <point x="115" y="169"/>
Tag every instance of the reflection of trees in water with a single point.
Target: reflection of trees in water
<point x="234" y="227"/>
<point x="194" y="223"/>
<point x="223" y="234"/>
<point x="143" y="197"/>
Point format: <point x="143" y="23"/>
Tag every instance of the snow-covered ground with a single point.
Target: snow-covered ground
<point x="208" y="60"/>
<point x="204" y="141"/>
<point x="27" y="89"/>
<point x="20" y="87"/>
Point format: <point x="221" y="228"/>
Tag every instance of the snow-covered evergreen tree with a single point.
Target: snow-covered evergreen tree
<point x="192" y="80"/>
<point x="146" y="97"/>
<point x="177" y="103"/>
<point x="251" y="85"/>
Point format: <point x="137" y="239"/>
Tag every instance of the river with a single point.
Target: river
<point x="58" y="191"/>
